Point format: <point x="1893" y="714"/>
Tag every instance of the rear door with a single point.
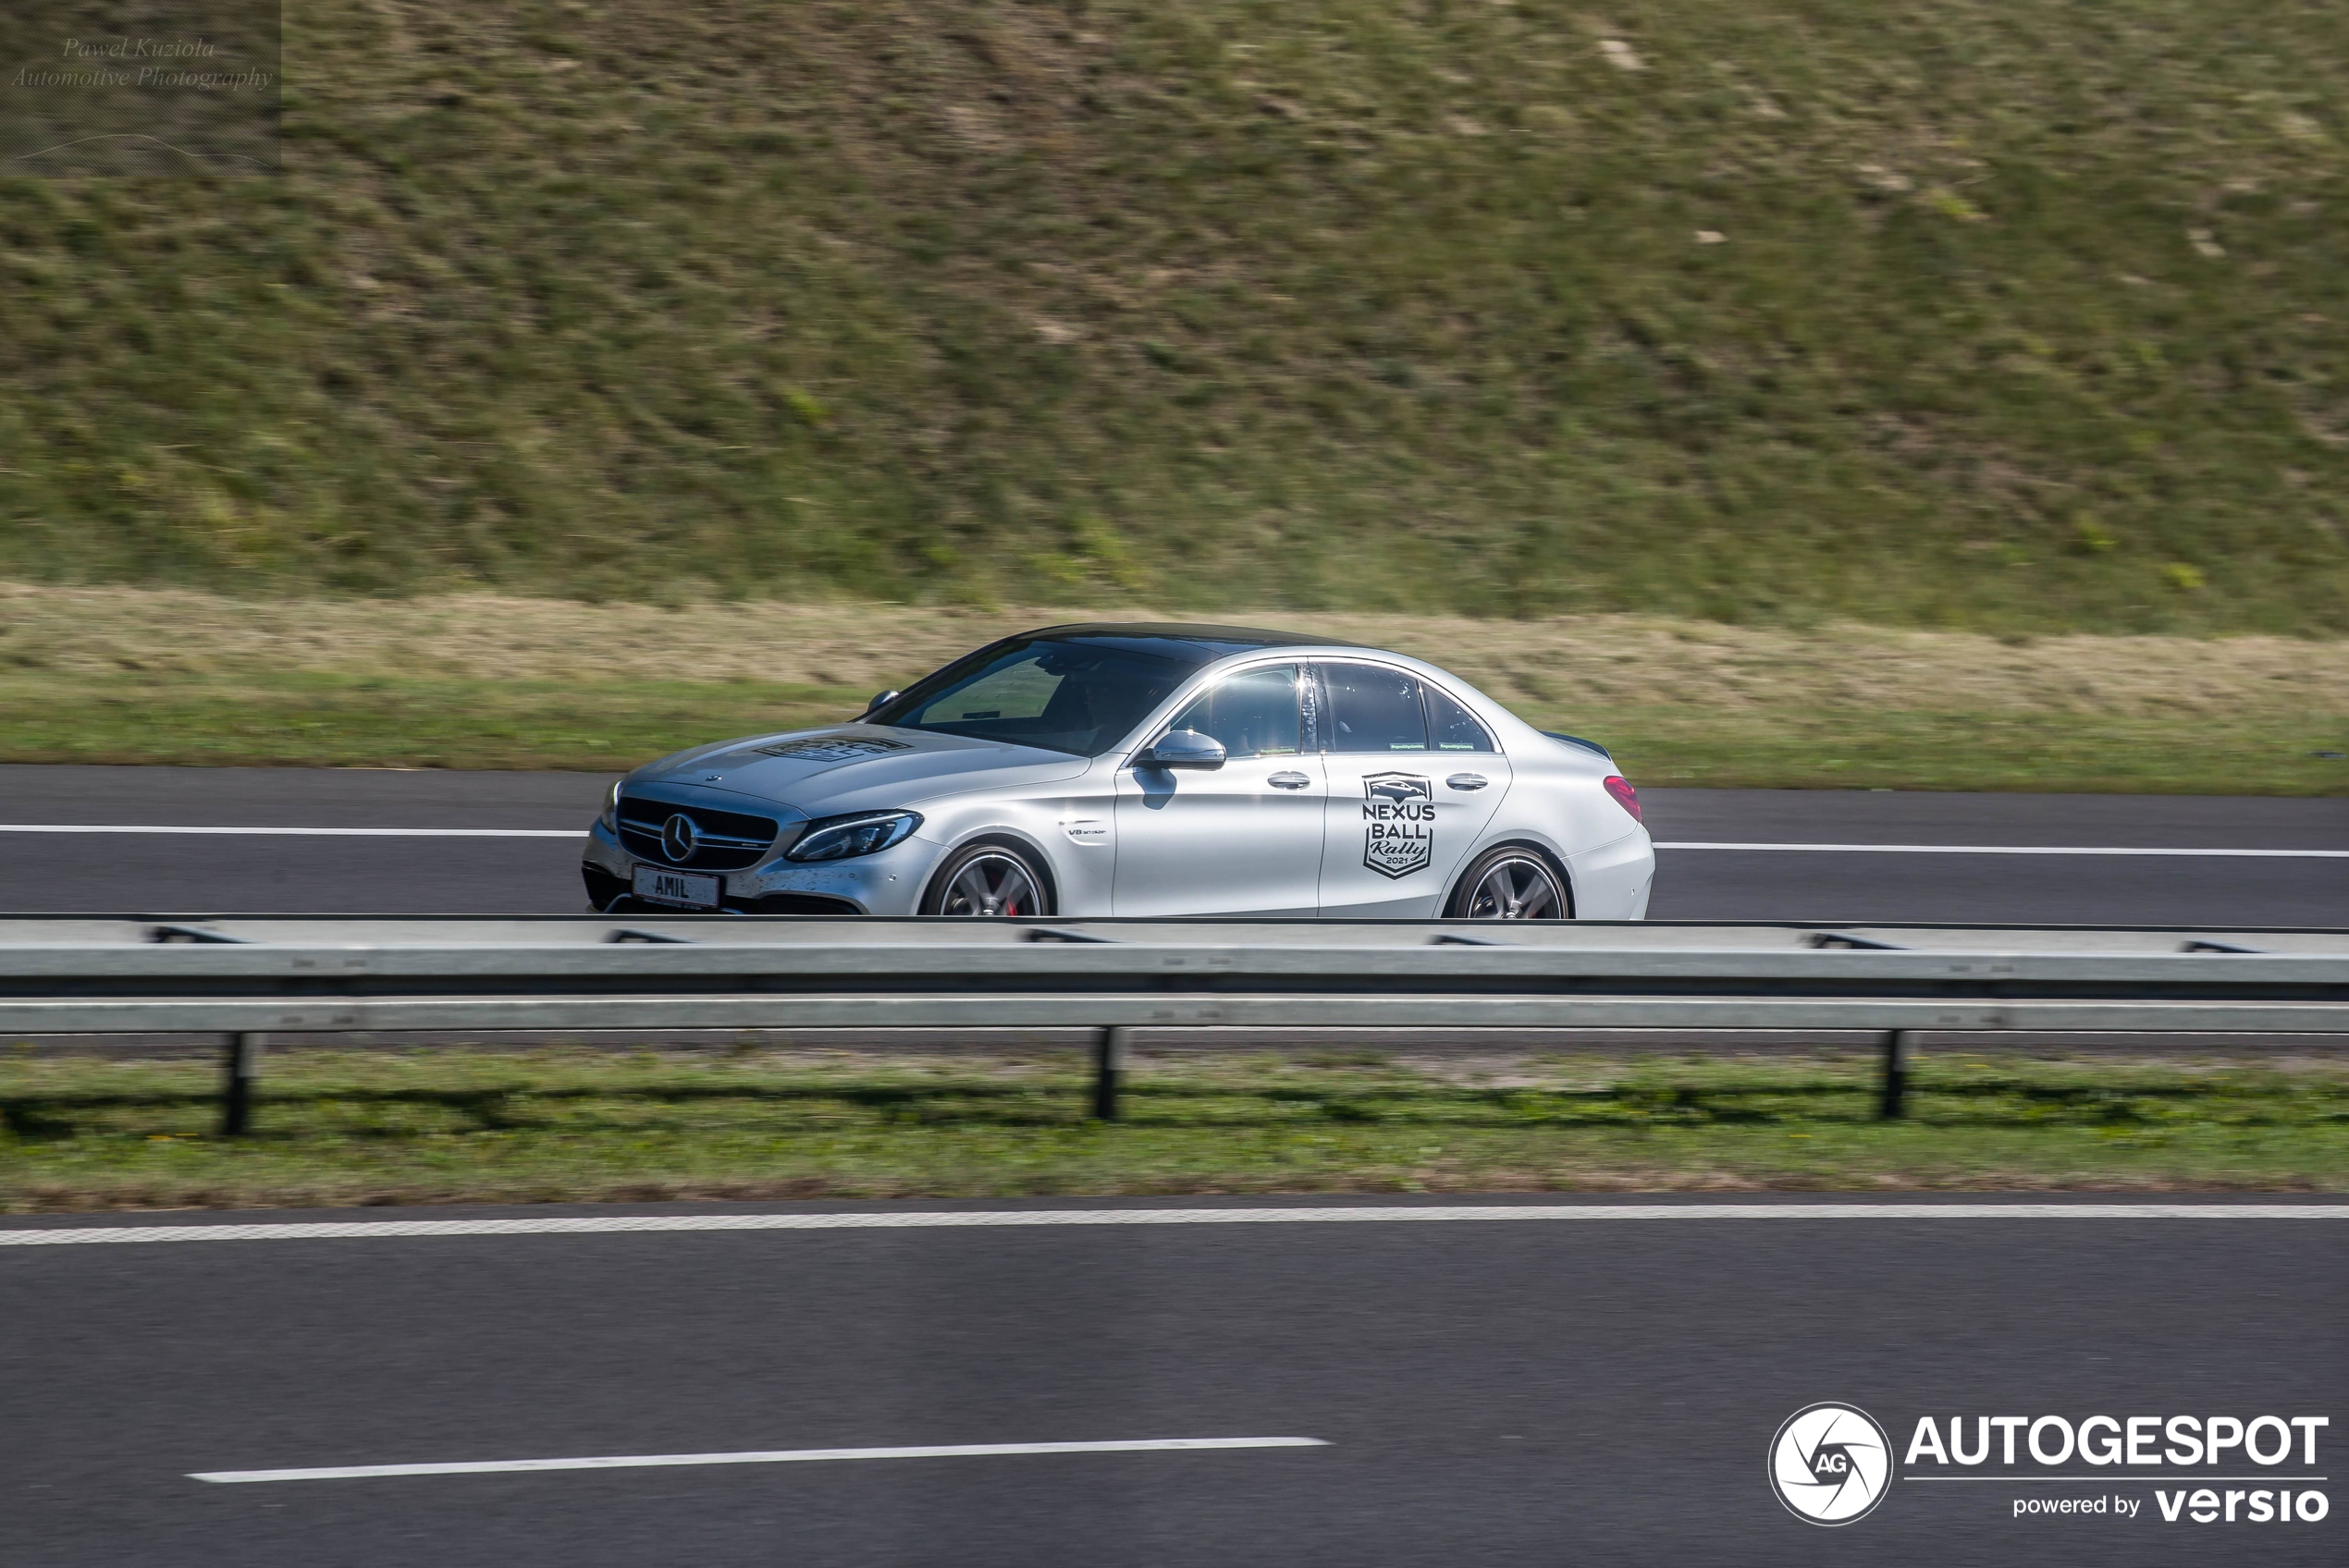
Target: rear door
<point x="1244" y="839"/>
<point x="1413" y="780"/>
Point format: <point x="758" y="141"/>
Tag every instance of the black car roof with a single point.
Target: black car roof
<point x="1199" y="643"/>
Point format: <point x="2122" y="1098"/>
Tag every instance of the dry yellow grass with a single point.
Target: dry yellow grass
<point x="130" y="674"/>
<point x="1593" y="663"/>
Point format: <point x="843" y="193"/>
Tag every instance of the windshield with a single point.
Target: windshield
<point x="1076" y="697"/>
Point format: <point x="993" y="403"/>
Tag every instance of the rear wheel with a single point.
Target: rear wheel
<point x="989" y="880"/>
<point x="1511" y="882"/>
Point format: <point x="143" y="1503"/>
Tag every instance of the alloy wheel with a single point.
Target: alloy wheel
<point x="992" y="885"/>
<point x="1519" y="887"/>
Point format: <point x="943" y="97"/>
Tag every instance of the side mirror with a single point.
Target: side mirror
<point x="889" y="696"/>
<point x="1184" y="748"/>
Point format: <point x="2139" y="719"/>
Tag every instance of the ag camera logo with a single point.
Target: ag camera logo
<point x="1830" y="1464"/>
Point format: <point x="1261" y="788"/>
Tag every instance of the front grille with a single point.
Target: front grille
<point x="724" y="840"/>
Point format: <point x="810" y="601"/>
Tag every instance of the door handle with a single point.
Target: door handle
<point x="1288" y="781"/>
<point x="1465" y="781"/>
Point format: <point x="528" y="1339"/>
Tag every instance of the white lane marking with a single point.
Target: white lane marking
<point x="1019" y="1218"/>
<point x="772" y="1456"/>
<point x="2020" y="849"/>
<point x="581" y="833"/>
<point x="301" y="832"/>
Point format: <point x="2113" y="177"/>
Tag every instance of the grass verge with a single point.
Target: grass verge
<point x="146" y="676"/>
<point x="446" y="1127"/>
<point x="385" y="721"/>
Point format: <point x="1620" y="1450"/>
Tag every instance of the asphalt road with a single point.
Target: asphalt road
<point x="255" y="874"/>
<point x="1541" y="1393"/>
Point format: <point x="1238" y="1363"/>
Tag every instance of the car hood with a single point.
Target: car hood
<point x="847" y="768"/>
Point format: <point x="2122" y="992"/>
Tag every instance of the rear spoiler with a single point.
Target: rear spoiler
<point x="1578" y="740"/>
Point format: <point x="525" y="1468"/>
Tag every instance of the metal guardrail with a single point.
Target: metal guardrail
<point x="246" y="978"/>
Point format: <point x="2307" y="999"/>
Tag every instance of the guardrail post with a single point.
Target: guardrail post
<point x="236" y="1093"/>
<point x="1895" y="1074"/>
<point x="1109" y="1066"/>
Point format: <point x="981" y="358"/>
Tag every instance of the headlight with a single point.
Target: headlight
<point x="611" y="818"/>
<point x="839" y="838"/>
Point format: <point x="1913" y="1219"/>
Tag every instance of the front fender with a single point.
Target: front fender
<point x="1071" y="830"/>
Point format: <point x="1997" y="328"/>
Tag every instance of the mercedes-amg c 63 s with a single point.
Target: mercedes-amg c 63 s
<point x="1140" y="770"/>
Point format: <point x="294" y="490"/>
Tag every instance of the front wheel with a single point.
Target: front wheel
<point x="987" y="880"/>
<point x="1511" y="882"/>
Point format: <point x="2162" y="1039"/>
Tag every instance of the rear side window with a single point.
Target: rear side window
<point x="1372" y="709"/>
<point x="1454" y="728"/>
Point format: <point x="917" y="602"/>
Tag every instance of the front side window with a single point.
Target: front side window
<point x="1254" y="712"/>
<point x="1372" y="709"/>
<point x="1076" y="697"/>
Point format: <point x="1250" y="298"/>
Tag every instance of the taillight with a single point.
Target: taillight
<point x="1625" y="796"/>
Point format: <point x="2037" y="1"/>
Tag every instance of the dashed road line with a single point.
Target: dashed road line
<point x="768" y="1456"/>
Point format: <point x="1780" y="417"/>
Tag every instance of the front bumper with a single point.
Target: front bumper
<point x="887" y="883"/>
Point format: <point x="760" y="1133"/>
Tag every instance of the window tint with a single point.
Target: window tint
<point x="1077" y="697"/>
<point x="1455" y="729"/>
<point x="1253" y="712"/>
<point x="1019" y="690"/>
<point x="1372" y="709"/>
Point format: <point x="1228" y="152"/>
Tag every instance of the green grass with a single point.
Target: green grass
<point x="1792" y="748"/>
<point x="435" y="1127"/>
<point x="340" y="720"/>
<point x="2023" y="313"/>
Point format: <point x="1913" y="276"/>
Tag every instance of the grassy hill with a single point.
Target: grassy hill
<point x="1995" y="314"/>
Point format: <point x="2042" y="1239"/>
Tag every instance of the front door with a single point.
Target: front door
<point x="1413" y="779"/>
<point x="1244" y="839"/>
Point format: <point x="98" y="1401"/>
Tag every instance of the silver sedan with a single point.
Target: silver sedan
<point x="1142" y="770"/>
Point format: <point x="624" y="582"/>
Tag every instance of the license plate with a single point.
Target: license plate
<point x="678" y="887"/>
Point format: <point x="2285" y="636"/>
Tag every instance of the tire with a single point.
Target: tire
<point x="989" y="879"/>
<point x="1514" y="877"/>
